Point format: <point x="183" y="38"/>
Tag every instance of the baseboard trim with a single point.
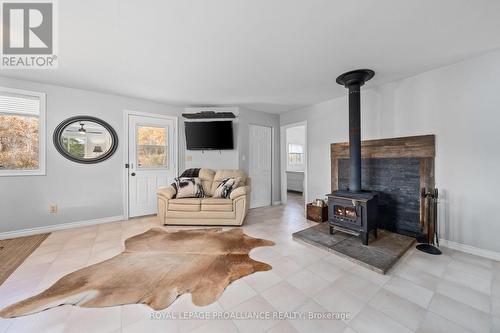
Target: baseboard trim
<point x="55" y="227"/>
<point x="470" y="249"/>
<point x="276" y="203"/>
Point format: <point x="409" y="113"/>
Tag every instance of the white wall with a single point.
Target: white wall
<point x="327" y="122"/>
<point x="81" y="191"/>
<point x="460" y="105"/>
<point x="85" y="192"/>
<point x="212" y="159"/>
<point x="238" y="157"/>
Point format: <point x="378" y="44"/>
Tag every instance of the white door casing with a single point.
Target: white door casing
<point x="260" y="165"/>
<point x="152" y="145"/>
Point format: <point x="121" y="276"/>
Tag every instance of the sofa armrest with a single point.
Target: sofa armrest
<point x="239" y="191"/>
<point x="166" y="192"/>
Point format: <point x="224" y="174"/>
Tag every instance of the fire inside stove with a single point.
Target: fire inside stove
<point x="348" y="212"/>
<point x="354" y="213"/>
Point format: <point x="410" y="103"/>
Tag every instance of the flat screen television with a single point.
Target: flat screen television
<point x="209" y="135"/>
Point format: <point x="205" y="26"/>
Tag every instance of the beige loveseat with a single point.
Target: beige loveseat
<point x="208" y="210"/>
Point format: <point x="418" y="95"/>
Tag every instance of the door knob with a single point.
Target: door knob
<point x="132" y="174"/>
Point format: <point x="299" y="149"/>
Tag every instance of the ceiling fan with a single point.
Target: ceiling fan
<point x="82" y="130"/>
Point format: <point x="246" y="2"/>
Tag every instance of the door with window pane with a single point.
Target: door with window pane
<point x="151" y="161"/>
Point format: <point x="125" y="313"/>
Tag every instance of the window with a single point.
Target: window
<point x="22" y="132"/>
<point x="295" y="154"/>
<point x="152" y="147"/>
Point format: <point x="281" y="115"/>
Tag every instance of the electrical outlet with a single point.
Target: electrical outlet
<point x="52" y="209"/>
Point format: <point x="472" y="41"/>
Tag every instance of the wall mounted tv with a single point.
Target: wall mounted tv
<point x="209" y="135"/>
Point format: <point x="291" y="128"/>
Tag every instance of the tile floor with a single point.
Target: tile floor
<point x="455" y="292"/>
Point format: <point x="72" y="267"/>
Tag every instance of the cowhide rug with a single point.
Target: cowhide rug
<point x="156" y="267"/>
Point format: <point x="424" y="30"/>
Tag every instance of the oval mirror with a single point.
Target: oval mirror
<point x="85" y="139"/>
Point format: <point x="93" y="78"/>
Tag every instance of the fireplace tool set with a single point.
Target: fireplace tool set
<point x="430" y="237"/>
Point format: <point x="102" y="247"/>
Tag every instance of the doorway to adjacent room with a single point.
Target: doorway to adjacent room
<point x="294" y="164"/>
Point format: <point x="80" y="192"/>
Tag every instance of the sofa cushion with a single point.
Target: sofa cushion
<point x="186" y="201"/>
<point x="223" y="174"/>
<point x="208" y="215"/>
<point x="185" y="204"/>
<point x="216" y="205"/>
<point x="216" y="201"/>
<point x="207" y="178"/>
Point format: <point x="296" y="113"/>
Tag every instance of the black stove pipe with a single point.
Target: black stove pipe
<point x="353" y="81"/>
<point x="354" y="139"/>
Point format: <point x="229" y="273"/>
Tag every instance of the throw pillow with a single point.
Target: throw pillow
<point x="191" y="173"/>
<point x="226" y="186"/>
<point x="188" y="188"/>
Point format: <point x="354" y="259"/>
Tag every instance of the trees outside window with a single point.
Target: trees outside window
<point x="22" y="137"/>
<point x="152" y="147"/>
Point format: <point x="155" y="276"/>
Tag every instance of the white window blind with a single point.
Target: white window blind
<point x="295" y="149"/>
<point x="13" y="103"/>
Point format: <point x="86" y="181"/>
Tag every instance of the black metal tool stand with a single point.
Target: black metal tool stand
<point x="431" y="200"/>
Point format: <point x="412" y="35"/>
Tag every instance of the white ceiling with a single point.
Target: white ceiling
<point x="271" y="55"/>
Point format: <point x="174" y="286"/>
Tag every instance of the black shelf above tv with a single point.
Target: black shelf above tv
<point x="209" y="115"/>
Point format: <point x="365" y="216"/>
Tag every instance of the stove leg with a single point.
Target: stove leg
<point x="364" y="237"/>
<point x="331" y="230"/>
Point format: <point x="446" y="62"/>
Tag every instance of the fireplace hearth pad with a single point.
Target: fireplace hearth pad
<point x="382" y="253"/>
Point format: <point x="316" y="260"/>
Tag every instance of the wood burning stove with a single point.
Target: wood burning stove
<point x="354" y="211"/>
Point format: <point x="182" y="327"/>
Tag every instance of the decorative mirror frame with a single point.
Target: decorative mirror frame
<point x="60" y="128"/>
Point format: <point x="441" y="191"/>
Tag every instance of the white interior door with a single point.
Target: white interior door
<point x="260" y="165"/>
<point x="151" y="151"/>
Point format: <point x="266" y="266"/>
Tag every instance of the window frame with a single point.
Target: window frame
<point x="41" y="171"/>
<point x="166" y="146"/>
<point x="290" y="153"/>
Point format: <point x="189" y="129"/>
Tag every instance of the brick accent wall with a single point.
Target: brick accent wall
<point x="397" y="180"/>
